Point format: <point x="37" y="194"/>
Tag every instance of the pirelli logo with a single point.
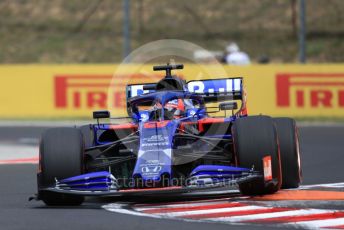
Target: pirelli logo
<point x="94" y="91"/>
<point x="310" y="90"/>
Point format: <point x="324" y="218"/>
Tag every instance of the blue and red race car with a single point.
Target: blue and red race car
<point x="171" y="144"/>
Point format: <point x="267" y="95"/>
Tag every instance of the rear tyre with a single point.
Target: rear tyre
<point x="290" y="152"/>
<point x="61" y="156"/>
<point x="88" y="136"/>
<point x="254" y="138"/>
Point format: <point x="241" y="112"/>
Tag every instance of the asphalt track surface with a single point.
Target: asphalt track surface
<point x="322" y="162"/>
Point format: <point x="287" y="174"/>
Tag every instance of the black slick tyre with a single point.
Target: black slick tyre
<point x="254" y="138"/>
<point x="61" y="156"/>
<point x="290" y="152"/>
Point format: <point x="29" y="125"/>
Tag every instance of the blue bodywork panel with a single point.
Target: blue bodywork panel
<point x="91" y="181"/>
<point x="217" y="170"/>
<point x="155" y="151"/>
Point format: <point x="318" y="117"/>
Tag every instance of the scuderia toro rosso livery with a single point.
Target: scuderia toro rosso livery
<point x="171" y="145"/>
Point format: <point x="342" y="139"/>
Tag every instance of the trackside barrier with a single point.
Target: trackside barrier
<point x="69" y="91"/>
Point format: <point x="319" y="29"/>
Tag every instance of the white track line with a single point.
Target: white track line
<point x="319" y="223"/>
<point x="113" y="207"/>
<point x="209" y="211"/>
<point x="13" y="152"/>
<point x="331" y="185"/>
<point x="184" y="205"/>
<point x="269" y="215"/>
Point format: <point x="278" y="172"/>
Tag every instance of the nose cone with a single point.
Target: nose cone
<point x="155" y="152"/>
<point x="152" y="164"/>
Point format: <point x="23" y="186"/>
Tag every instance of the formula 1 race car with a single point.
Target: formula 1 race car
<point x="171" y="144"/>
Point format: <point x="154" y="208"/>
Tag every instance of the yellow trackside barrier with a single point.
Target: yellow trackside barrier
<point x="68" y="91"/>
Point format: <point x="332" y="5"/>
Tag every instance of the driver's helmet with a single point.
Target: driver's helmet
<point x="176" y="106"/>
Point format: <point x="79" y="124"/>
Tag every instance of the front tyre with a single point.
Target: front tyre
<point x="61" y="156"/>
<point x="254" y="138"/>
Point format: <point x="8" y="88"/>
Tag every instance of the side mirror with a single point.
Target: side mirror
<point x="101" y="114"/>
<point x="228" y="105"/>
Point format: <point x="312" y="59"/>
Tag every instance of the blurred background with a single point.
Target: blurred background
<point x="104" y="31"/>
<point x="66" y="59"/>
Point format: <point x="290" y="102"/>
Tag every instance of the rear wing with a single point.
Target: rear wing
<point x="212" y="90"/>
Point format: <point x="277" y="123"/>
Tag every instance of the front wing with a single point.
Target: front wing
<point x="203" y="181"/>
